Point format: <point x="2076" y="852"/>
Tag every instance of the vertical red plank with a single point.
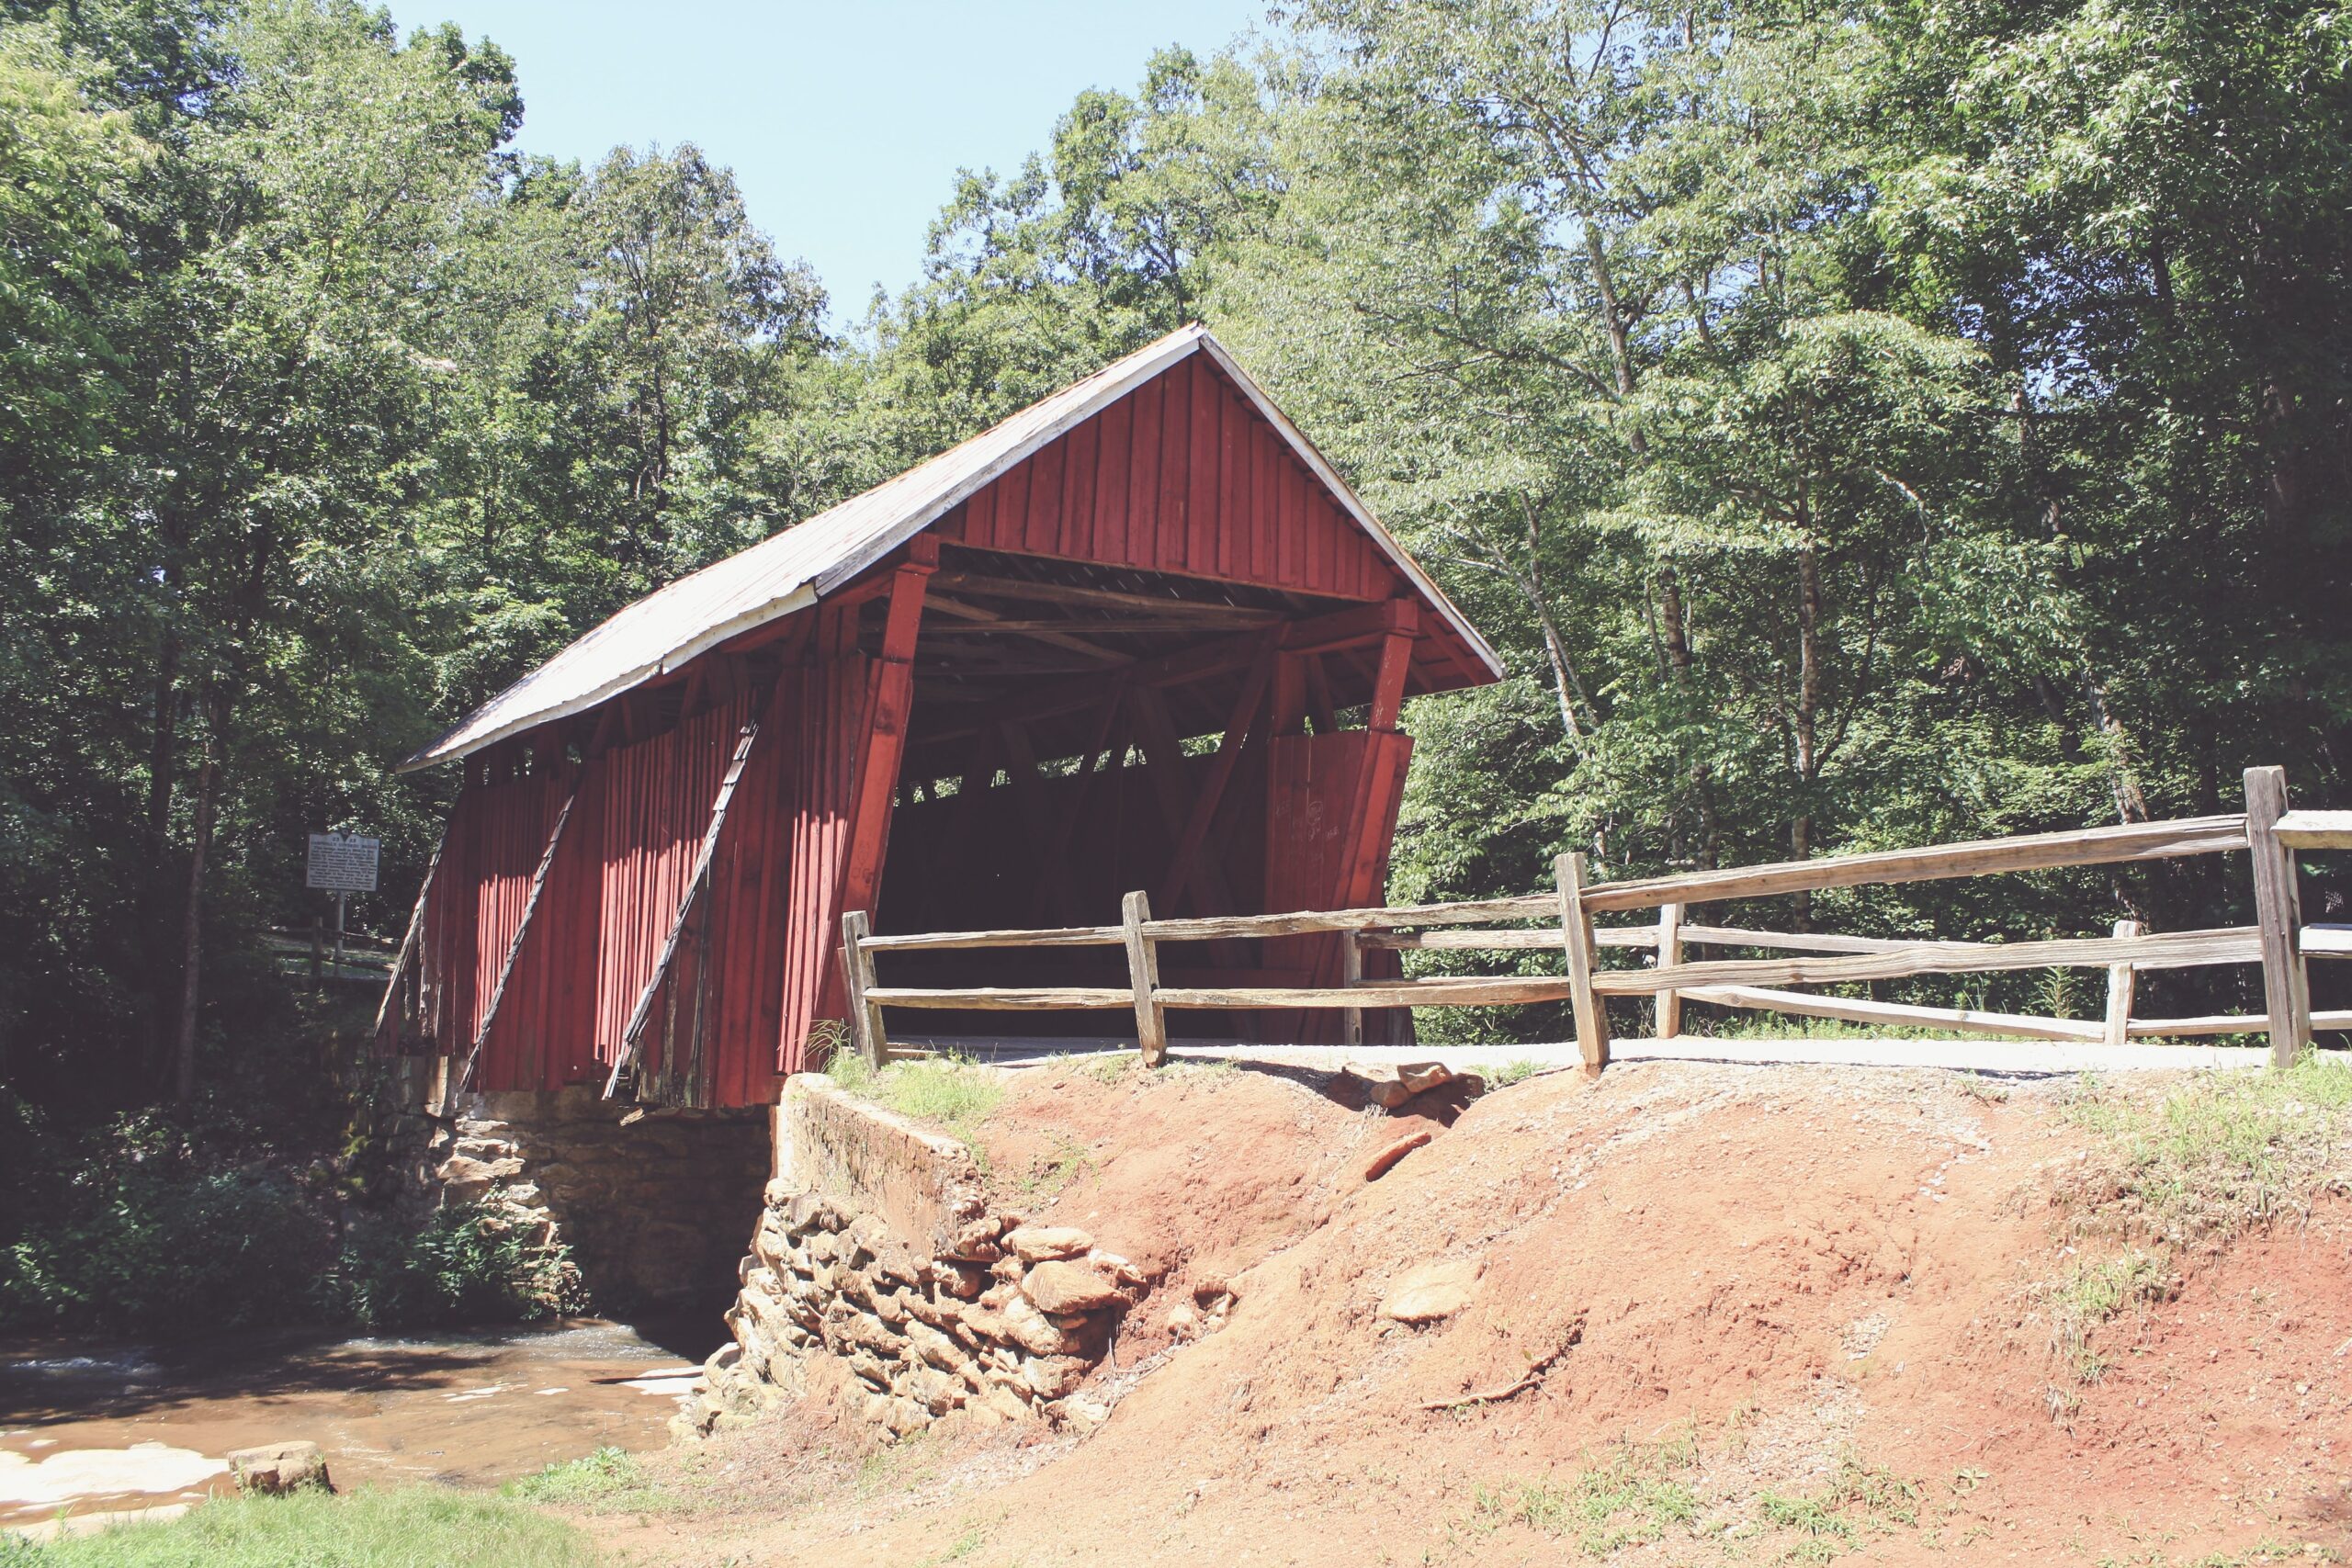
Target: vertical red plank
<point x="1265" y="465"/>
<point x="1322" y="569"/>
<point x="1012" y="507"/>
<point x="1048" y="467"/>
<point x="1232" y="485"/>
<point x="1175" y="457"/>
<point x="1077" y="490"/>
<point x="1290" y="517"/>
<point x="1142" y="538"/>
<point x="1208" y="399"/>
<point x="978" y="513"/>
<point x="1107" y="537"/>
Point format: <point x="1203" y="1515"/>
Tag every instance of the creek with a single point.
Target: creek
<point x="89" y="1430"/>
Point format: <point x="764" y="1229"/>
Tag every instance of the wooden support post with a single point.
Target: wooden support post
<point x="1575" y="935"/>
<point x="858" y="972"/>
<point x="1351" y="976"/>
<point x="890" y="702"/>
<point x="2278" y="916"/>
<point x="318" y="954"/>
<point x="1143" y="974"/>
<point x="2120" y="983"/>
<point x="1669" y="953"/>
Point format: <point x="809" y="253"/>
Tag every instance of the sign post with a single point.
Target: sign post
<point x="342" y="863"/>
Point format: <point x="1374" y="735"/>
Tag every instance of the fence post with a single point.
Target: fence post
<point x="2120" y="983"/>
<point x="1143" y="973"/>
<point x="2277" y="915"/>
<point x="1669" y="952"/>
<point x="1575" y="935"/>
<point x="1351" y="976"/>
<point x="857" y="967"/>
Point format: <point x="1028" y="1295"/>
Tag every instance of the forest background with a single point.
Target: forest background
<point x="1858" y="425"/>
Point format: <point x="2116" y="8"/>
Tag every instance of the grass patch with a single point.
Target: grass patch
<point x="1048" y="1175"/>
<point x="1831" y="1518"/>
<point x="1983" y="1088"/>
<point x="1757" y="1025"/>
<point x="2096" y="1292"/>
<point x="1509" y="1073"/>
<point x="1112" y="1067"/>
<point x="2193" y="1166"/>
<point x="949" y="1091"/>
<point x="1632" y="1498"/>
<point x="2226" y="1152"/>
<point x="409" y="1527"/>
<point x="610" y="1481"/>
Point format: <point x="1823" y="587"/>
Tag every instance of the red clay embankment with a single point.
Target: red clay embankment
<point x="1731" y="1314"/>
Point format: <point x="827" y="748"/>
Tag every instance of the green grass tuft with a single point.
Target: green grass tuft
<point x="1509" y="1073"/>
<point x="611" y="1480"/>
<point x="1831" y="1518"/>
<point x="409" y="1527"/>
<point x="950" y="1092"/>
<point x="1632" y="1498"/>
<point x="2229" y="1150"/>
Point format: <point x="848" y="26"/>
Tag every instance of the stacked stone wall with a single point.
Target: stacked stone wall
<point x="652" y="1205"/>
<point x="879" y="1268"/>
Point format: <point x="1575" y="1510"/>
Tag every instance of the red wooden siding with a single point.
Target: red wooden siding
<point x="496" y="837"/>
<point x="1182" y="476"/>
<point x="828" y="713"/>
<point x="541" y="1037"/>
<point x="658" y="796"/>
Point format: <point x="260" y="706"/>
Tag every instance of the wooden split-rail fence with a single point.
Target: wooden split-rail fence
<point x="2279" y="941"/>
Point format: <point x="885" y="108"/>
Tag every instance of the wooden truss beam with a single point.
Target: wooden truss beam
<point x="410" y="943"/>
<point x="1192" y="610"/>
<point x="985" y="621"/>
<point x="1355" y="627"/>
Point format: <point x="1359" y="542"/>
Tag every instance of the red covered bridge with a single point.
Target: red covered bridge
<point x="968" y="698"/>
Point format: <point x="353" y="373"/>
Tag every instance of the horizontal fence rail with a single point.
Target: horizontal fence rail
<point x="2279" y="941"/>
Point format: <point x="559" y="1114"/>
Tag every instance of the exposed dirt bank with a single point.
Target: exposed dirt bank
<point x="1713" y="1314"/>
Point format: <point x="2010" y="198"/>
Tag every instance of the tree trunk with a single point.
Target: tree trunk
<point x="1808" y="759"/>
<point x="162" y="759"/>
<point x="208" y="787"/>
<point x="1565" y="683"/>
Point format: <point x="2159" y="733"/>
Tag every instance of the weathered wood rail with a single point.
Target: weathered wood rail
<point x="2278" y="941"/>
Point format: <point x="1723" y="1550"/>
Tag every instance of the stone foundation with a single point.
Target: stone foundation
<point x="652" y="1205"/>
<point x="879" y="1268"/>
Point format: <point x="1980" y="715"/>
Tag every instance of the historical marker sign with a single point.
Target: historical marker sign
<point x="342" y="862"/>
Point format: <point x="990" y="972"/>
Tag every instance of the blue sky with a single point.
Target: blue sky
<point x="844" y="123"/>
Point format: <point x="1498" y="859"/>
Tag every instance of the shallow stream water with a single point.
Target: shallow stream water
<point x="89" y="1430"/>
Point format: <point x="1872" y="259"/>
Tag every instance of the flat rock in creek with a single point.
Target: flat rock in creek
<point x="276" y="1469"/>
